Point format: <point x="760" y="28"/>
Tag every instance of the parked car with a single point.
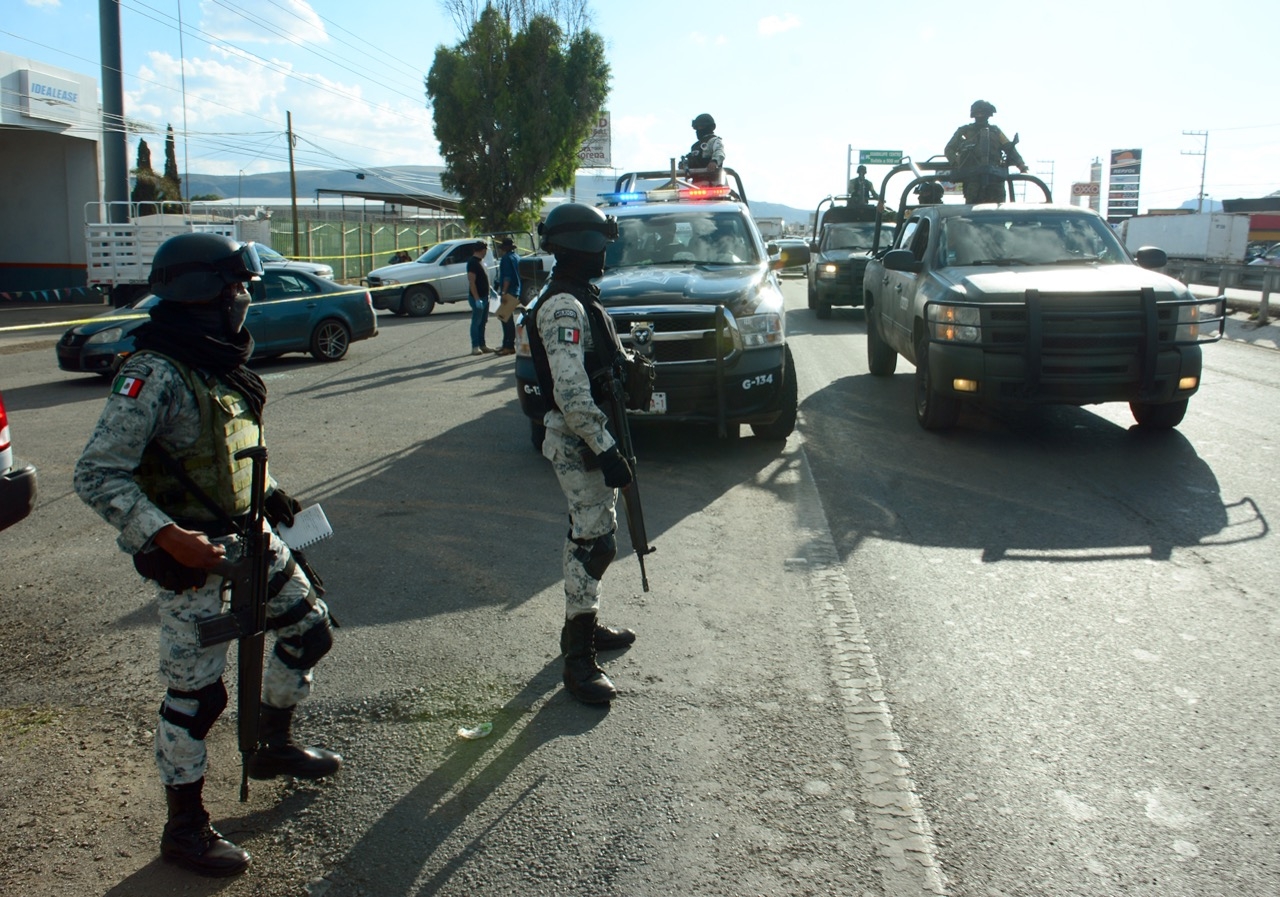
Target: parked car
<point x="292" y="311"/>
<point x="271" y="258"/>
<point x="17" y="485"/>
<point x="1270" y="257"/>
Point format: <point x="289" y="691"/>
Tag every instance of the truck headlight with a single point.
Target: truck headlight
<point x="955" y="323"/>
<point x="110" y="335"/>
<point x="1201" y="322"/>
<point x="761" y="330"/>
<point x="827" y="271"/>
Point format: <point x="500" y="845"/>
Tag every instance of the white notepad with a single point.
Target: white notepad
<point x="309" y="527"/>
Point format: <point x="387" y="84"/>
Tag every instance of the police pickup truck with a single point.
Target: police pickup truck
<point x="1026" y="303"/>
<point x="690" y="283"/>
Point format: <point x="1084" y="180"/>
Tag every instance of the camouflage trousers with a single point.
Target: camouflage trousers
<point x="186" y="666"/>
<point x="592" y="514"/>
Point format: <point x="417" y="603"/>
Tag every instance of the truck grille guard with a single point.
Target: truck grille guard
<point x="1084" y="327"/>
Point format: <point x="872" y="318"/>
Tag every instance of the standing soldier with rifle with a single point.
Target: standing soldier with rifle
<point x="980" y="156"/>
<point x="577" y="356"/>
<point x="177" y="464"/>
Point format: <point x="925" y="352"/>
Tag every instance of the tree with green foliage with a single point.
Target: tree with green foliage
<point x="146" y="183"/>
<point x="173" y="182"/>
<point x="512" y="109"/>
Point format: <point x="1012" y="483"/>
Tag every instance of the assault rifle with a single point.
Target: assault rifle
<point x="247" y="619"/>
<point x="616" y="407"/>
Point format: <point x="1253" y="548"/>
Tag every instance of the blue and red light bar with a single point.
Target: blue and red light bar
<point x="668" y="194"/>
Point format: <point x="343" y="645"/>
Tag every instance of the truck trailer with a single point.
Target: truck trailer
<point x="1203" y="237"/>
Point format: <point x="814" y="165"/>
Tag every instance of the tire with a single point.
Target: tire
<point x="934" y="411"/>
<point x="1164" y="416"/>
<point x="537" y="433"/>
<point x="419" y="301"/>
<point x="330" y="340"/>
<point x="785" y="424"/>
<point x="822" y="310"/>
<point x="813" y="295"/>
<point x="882" y="360"/>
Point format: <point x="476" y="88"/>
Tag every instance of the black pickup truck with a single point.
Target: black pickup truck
<point x="1025" y="303"/>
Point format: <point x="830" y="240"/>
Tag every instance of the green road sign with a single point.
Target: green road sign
<point x="879" y="157"/>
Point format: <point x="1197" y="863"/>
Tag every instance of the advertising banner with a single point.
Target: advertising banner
<point x="1122" y="192"/>
<point x="597" y="150"/>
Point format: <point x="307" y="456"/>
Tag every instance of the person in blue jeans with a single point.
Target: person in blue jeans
<point x="509" y="290"/>
<point x="478" y="296"/>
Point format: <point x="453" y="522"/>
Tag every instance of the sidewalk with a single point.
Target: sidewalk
<point x="1242" y="305"/>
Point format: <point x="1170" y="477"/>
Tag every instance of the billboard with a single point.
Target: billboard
<point x="597" y="150"/>
<point x="1122" y="189"/>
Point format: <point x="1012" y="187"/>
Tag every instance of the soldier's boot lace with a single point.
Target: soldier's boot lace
<point x="582" y="677"/>
<point x="278" y="755"/>
<point x="605" y="638"/>
<point x="190" y="841"/>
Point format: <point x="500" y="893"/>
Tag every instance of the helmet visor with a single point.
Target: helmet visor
<point x="244" y="264"/>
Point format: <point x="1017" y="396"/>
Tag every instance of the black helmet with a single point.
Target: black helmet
<point x="704" y="123"/>
<point x="862" y="169"/>
<point x="982" y="109"/>
<point x="196" y="267"/>
<point x="578" y="228"/>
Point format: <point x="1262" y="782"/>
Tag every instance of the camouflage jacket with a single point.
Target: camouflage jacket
<point x="567" y="338"/>
<point x="149" y="400"/>
<point x="964" y="148"/>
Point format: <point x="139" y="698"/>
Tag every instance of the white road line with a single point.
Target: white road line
<point x="899" y="828"/>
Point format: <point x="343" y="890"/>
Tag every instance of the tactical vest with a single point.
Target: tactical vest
<point x="605" y="350"/>
<point x="696" y="159"/>
<point x="227" y="425"/>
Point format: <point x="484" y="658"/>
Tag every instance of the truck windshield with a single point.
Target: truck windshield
<point x="1028" y="238"/>
<point x="682" y="238"/>
<point x="854" y="235"/>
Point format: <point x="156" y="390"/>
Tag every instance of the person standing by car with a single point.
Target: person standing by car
<point x="574" y="346"/>
<point x="181" y="408"/>
<point x="478" y="296"/>
<point x="509" y="290"/>
<point x="981" y="156"/>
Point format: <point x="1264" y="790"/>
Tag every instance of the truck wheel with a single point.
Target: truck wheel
<point x="785" y="424"/>
<point x="822" y="310"/>
<point x="813" y="295"/>
<point x="882" y="360"/>
<point x="1164" y="416"/>
<point x="934" y="411"/>
<point x="418" y="301"/>
<point x="330" y="340"/>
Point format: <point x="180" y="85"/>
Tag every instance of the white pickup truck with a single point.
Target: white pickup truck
<point x="439" y="275"/>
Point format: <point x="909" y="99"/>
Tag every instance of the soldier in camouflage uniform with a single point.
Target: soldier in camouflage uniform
<point x="860" y="190"/>
<point x="981" y="155"/>
<point x="706" y="156"/>
<point x="185" y="399"/>
<point x="574" y="345"/>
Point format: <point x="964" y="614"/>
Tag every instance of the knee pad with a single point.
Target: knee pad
<point x="595" y="555"/>
<point x="210" y="702"/>
<point x="310" y="645"/>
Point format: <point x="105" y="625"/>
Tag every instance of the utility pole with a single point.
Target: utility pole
<point x="293" y="185"/>
<point x="115" y="173"/>
<point x="1204" y="161"/>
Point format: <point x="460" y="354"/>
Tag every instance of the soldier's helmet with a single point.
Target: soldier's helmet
<point x="862" y="169"/>
<point x="704" y="124"/>
<point x="196" y="267"/>
<point x="578" y="228"/>
<point x="982" y="109"/>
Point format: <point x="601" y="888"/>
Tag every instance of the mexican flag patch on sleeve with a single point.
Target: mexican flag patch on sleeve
<point x="569" y="335"/>
<point x="129" y="387"/>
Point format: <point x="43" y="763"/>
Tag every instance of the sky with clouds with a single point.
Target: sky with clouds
<point x="792" y="88"/>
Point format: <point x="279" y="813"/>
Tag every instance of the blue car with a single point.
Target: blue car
<point x="292" y="311"/>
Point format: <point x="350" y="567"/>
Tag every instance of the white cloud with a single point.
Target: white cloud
<point x="285" y="22"/>
<point x="771" y="25"/>
<point x="41" y="3"/>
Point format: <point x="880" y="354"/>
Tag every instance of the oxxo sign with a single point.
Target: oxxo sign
<point x="879" y="157"/>
<point x="1086" y="188"/>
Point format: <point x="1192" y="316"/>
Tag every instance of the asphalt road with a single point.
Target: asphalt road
<point x="1034" y="656"/>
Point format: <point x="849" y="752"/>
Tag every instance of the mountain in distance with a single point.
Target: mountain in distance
<point x="409" y="179"/>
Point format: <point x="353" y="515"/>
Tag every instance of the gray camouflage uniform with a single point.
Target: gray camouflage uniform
<point x="566" y="335"/>
<point x="165" y="410"/>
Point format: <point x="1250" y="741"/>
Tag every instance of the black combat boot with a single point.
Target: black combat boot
<point x="583" y="679"/>
<point x="189" y="840"/>
<point x="605" y="638"/>
<point x="277" y="755"/>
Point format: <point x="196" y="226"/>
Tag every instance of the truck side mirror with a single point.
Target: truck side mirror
<point x="1151" y="257"/>
<point x="901" y="260"/>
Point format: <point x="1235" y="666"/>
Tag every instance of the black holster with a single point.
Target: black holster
<point x="160" y="567"/>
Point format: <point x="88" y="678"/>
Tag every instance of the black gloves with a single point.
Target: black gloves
<point x="280" y="507"/>
<point x="616" y="470"/>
